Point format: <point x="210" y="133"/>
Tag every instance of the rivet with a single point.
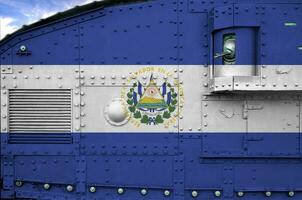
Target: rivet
<point x="82" y="125"/>
<point x="69" y="188"/>
<point x="167" y="193"/>
<point x="113" y="77"/>
<point x="82" y="93"/>
<point x="3" y="86"/>
<point x="165" y="77"/>
<point x="60" y="86"/>
<point x="48" y="77"/>
<point x="205" y="74"/>
<point x="3" y="92"/>
<point x="205" y="125"/>
<point x="190" y="129"/>
<point x="37" y="77"/>
<point x="77" y="128"/>
<point x="3" y="116"/>
<point x="46" y="186"/>
<point x="18" y="183"/>
<point x="103" y="77"/>
<point x="3" y="77"/>
<point x="144" y="77"/>
<point x="205" y="85"/>
<point x="296" y="84"/>
<point x="180" y="70"/>
<point x="92" y="189"/>
<point x="175" y="70"/>
<point x="15" y="86"/>
<point x="144" y="192"/>
<point x="20" y="71"/>
<point x="14" y="77"/>
<point x="217" y="193"/>
<point x="92" y="77"/>
<point x="181" y="129"/>
<point x="180" y="117"/>
<point x="22" y="48"/>
<point x="291" y="193"/>
<point x="268" y="194"/>
<point x="123" y="77"/>
<point x="4" y="104"/>
<point x="285" y="84"/>
<point x="3" y="129"/>
<point x="120" y="190"/>
<point x="82" y="104"/>
<point x="240" y="194"/>
<point x="194" y="194"/>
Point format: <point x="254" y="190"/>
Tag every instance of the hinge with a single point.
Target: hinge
<point x="247" y="107"/>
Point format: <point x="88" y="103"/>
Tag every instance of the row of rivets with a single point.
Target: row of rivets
<point x="217" y="193"/>
<point x="46" y="186"/>
<point x="121" y="191"/>
<point x="194" y="193"/>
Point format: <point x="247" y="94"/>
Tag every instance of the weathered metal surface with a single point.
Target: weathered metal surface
<point x="153" y="111"/>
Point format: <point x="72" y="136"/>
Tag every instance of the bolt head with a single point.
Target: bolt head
<point x="120" y="190"/>
<point x="194" y="193"/>
<point x="291" y="193"/>
<point x="268" y="194"/>
<point x="144" y="192"/>
<point x="240" y="194"/>
<point x="19" y="183"/>
<point x="217" y="193"/>
<point x="92" y="189"/>
<point x="69" y="188"/>
<point x="46" y="186"/>
<point x="167" y="193"/>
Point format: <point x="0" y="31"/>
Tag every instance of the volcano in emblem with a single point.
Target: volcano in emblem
<point x="152" y="98"/>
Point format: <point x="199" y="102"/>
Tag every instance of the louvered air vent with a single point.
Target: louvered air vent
<point x="39" y="111"/>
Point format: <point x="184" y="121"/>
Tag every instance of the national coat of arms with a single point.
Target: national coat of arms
<point x="152" y="104"/>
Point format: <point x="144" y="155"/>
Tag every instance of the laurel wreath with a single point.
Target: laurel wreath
<point x="158" y="119"/>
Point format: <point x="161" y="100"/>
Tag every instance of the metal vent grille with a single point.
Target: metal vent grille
<point x="40" y="138"/>
<point x="39" y="111"/>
